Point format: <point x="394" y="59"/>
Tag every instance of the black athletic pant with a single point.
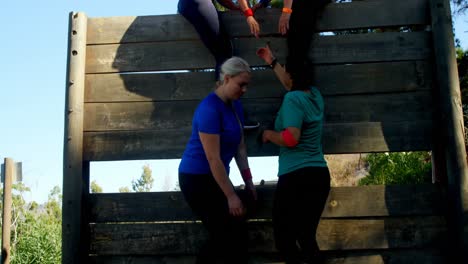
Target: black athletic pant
<point x="227" y="242"/>
<point x="299" y="201"/>
<point x="302" y="25"/>
<point x="203" y="15"/>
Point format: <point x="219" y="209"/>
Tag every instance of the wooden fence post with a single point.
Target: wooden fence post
<point x="72" y="250"/>
<point x="6" y="227"/>
<point x="452" y="120"/>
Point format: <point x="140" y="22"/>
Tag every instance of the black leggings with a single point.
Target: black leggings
<point x="227" y="242"/>
<point x="302" y="25"/>
<point x="203" y="15"/>
<point x="299" y="201"/>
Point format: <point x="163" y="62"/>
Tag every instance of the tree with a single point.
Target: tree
<point x="124" y="189"/>
<point x="145" y="182"/>
<point x="36" y="229"/>
<point x="462" y="63"/>
<point x="460" y="6"/>
<point x="95" y="188"/>
<point x="398" y="168"/>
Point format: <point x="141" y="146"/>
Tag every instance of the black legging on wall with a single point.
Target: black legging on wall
<point x="203" y="15"/>
<point x="299" y="201"/>
<point x="302" y="25"/>
<point x="228" y="236"/>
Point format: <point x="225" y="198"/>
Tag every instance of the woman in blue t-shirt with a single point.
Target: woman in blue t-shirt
<point x="217" y="137"/>
<point x="303" y="176"/>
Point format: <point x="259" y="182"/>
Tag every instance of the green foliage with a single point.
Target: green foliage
<point x="95" y="188"/>
<point x="124" y="189"/>
<point x="462" y="63"/>
<point x="145" y="182"/>
<point x="36" y="230"/>
<point x="398" y="168"/>
<point x="460" y="6"/>
<point x="39" y="241"/>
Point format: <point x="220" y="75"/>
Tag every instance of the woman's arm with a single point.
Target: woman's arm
<point x="243" y="165"/>
<point x="283" y="24"/>
<point x="253" y="24"/>
<point x="211" y="146"/>
<point x="266" y="55"/>
<point x="286" y="138"/>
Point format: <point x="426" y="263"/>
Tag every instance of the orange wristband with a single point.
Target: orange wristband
<point x="248" y="12"/>
<point x="286" y="10"/>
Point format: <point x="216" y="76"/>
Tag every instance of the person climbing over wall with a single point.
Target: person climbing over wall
<point x="298" y="22"/>
<point x="203" y="15"/>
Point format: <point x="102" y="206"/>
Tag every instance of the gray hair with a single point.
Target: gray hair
<point x="233" y="66"/>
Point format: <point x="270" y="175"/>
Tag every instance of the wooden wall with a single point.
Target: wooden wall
<point x="377" y="87"/>
<point x="370" y="224"/>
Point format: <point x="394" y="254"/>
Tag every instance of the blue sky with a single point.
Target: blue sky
<point x="32" y="93"/>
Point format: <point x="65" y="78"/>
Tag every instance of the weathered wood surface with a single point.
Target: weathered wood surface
<point x="343" y="16"/>
<point x="191" y="54"/>
<point x="332" y="234"/>
<point x="338" y="139"/>
<point x="415" y="106"/>
<point x="353" y="79"/>
<point x="72" y="233"/>
<point x="452" y="117"/>
<point x="402" y="256"/>
<point x="343" y="202"/>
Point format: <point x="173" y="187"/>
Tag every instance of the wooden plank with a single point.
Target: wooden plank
<point x="343" y="16"/>
<point x="191" y="54"/>
<point x="353" y="79"/>
<point x="415" y="106"/>
<point x="338" y="138"/>
<point x="343" y="202"/>
<point x="401" y="256"/>
<point x="350" y="48"/>
<point x="72" y="247"/>
<point x="453" y="135"/>
<point x="349" y="234"/>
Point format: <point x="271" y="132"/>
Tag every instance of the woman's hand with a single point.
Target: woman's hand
<point x="250" y="187"/>
<point x="265" y="54"/>
<point x="283" y="25"/>
<point x="267" y="135"/>
<point x="253" y="25"/>
<point x="236" y="208"/>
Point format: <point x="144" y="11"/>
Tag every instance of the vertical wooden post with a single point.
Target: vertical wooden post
<point x="6" y="227"/>
<point x="72" y="250"/>
<point x="452" y="118"/>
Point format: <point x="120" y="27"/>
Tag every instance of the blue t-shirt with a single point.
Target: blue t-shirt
<point x="306" y="112"/>
<point x="213" y="116"/>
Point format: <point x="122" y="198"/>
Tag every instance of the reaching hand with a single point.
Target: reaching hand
<point x="253" y="25"/>
<point x="265" y="54"/>
<point x="283" y="25"/>
<point x="266" y="136"/>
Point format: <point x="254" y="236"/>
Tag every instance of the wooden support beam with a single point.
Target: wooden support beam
<point x="6" y="216"/>
<point x="452" y="118"/>
<point x="72" y="250"/>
